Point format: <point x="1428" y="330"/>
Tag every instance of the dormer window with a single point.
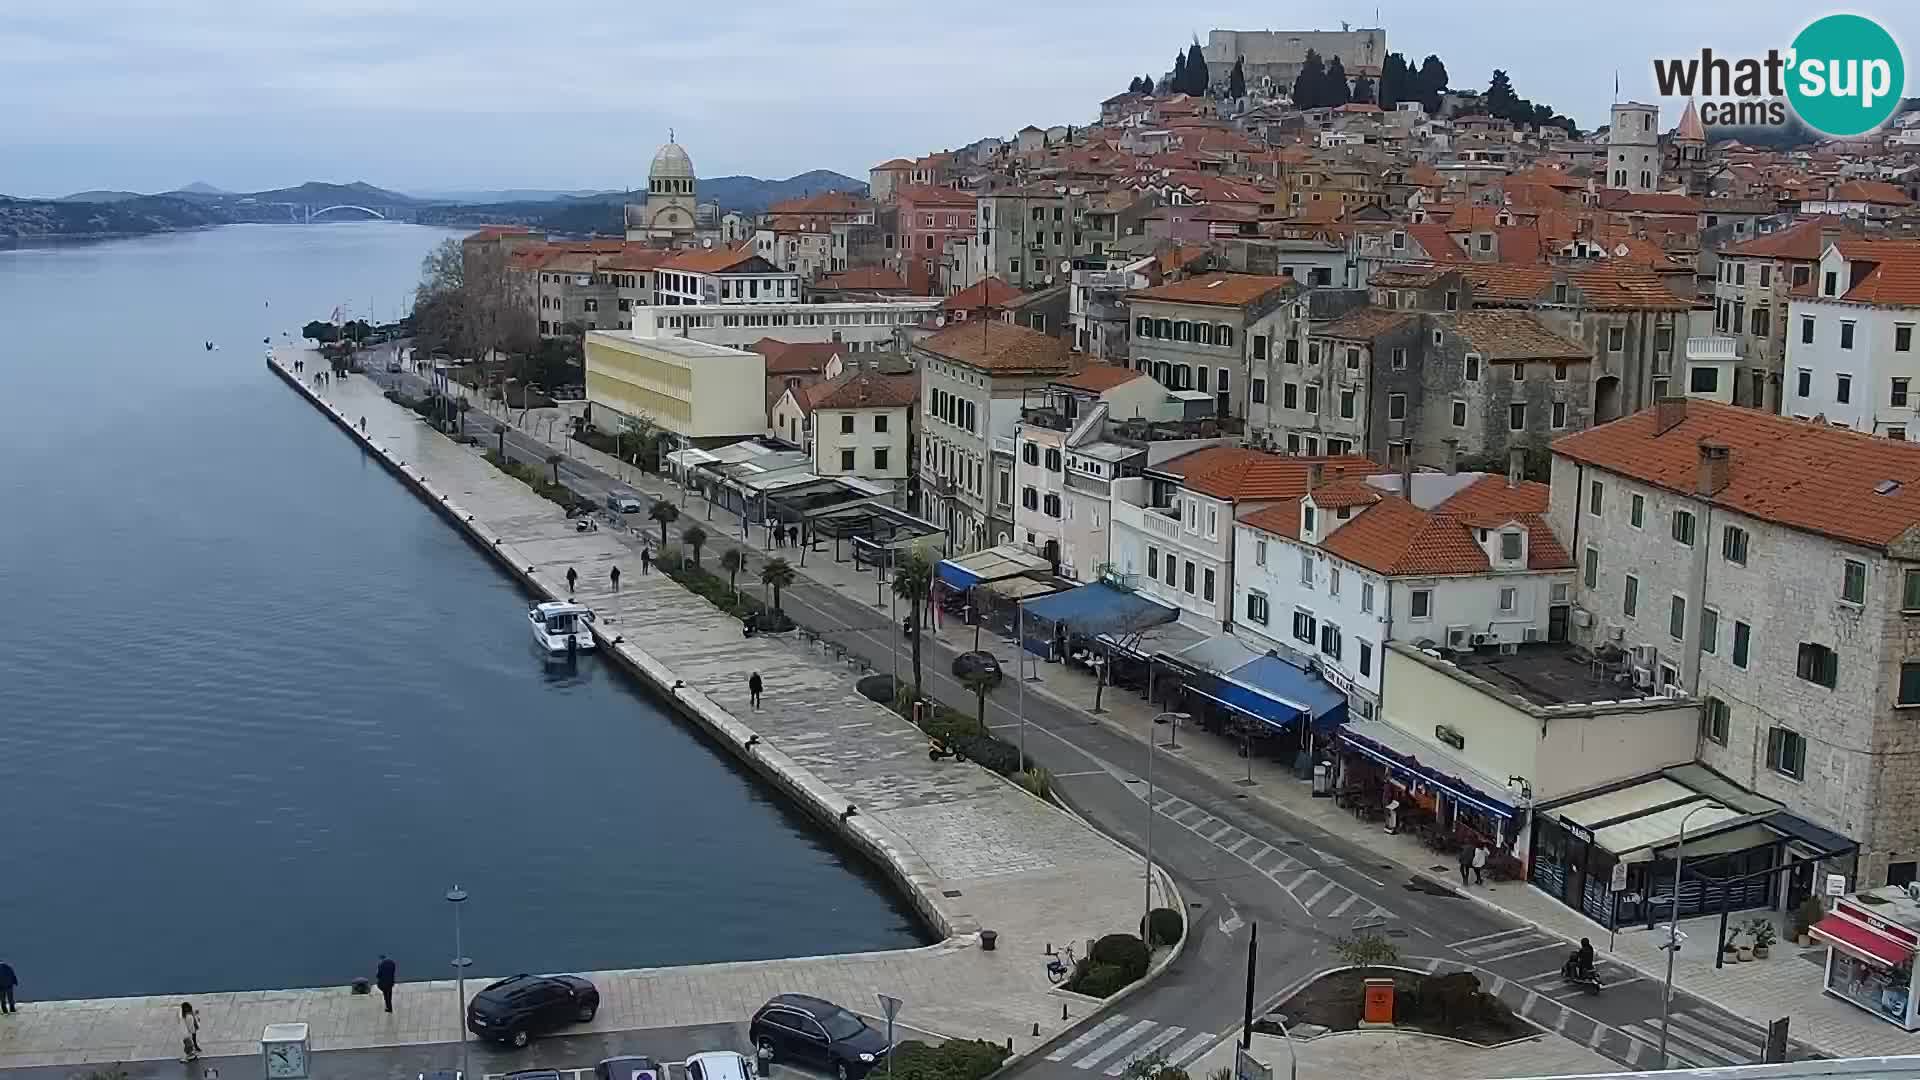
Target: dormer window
<point x="1512" y="545"/>
<point x="1306" y="520"/>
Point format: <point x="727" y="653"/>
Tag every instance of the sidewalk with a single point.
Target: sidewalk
<point x="1758" y="991"/>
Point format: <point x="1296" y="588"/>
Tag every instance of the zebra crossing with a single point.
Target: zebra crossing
<point x="1296" y="870"/>
<point x="1702" y="1040"/>
<point x="1508" y="944"/>
<point x="1116" y="1042"/>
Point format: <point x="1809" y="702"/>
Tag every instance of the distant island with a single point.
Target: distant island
<point x="107" y="213"/>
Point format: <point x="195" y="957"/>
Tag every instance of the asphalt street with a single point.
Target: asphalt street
<point x="1240" y="863"/>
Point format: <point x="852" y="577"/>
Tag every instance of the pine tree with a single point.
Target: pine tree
<point x="1237" y="79"/>
<point x="1430" y="83"/>
<point x="1393" y="82"/>
<point x="1177" y="84"/>
<point x="1146" y="85"/>
<point x="1134" y="86"/>
<point x="1363" y="90"/>
<point x="1500" y="100"/>
<point x="1337" y="91"/>
<point x="1309" y="87"/>
<point x="1199" y="81"/>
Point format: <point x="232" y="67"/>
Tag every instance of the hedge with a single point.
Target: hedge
<point x="1098" y="980"/>
<point x="961" y="732"/>
<point x="1124" y="951"/>
<point x="958" y="1059"/>
<point x="1165" y="924"/>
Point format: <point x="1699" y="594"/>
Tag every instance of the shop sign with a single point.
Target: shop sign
<point x="1335" y="678"/>
<point x="1578" y="832"/>
<point x="1836" y="884"/>
<point x="1449" y="736"/>
<point x="1619" y="882"/>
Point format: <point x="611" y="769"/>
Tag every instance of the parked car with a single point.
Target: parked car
<point x="719" y="1065"/>
<point x="982" y="663"/>
<point x="807" y="1030"/>
<point x="623" y="502"/>
<point x="515" y="1009"/>
<point x="628" y="1067"/>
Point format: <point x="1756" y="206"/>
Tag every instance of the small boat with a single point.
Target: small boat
<point x="560" y="628"/>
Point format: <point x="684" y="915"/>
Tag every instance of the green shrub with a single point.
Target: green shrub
<point x="990" y="752"/>
<point x="1124" y="951"/>
<point x="1162" y="926"/>
<point x="959" y="1059"/>
<point x="1366" y="949"/>
<point x="1098" y="980"/>
<point x="1036" y="780"/>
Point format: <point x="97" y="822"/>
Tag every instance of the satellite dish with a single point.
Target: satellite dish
<point x="1066" y="266"/>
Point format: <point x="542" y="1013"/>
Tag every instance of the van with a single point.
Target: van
<point x="623" y="502"/>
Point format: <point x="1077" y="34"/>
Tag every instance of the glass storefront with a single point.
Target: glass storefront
<point x="1874" y="987"/>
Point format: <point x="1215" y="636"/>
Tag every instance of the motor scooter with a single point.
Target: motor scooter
<point x="1587" y="978"/>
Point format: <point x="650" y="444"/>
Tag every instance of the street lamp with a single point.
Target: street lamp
<point x="1673" y="928"/>
<point x="1146" y="923"/>
<point x="458" y="896"/>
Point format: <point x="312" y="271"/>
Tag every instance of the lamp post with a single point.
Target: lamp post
<point x="1146" y="924"/>
<point x="1673" y="929"/>
<point x="1020" y="670"/>
<point x="458" y="896"/>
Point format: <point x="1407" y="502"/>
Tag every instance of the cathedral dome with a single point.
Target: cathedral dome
<point x="671" y="162"/>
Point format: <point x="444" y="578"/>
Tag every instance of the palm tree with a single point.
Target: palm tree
<point x="733" y="560"/>
<point x="694" y="536"/>
<point x="555" y="460"/>
<point x="980" y="683"/>
<point x="911" y="581"/>
<point x="666" y="514"/>
<point x="777" y="575"/>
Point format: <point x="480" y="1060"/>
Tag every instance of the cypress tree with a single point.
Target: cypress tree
<point x="1309" y="87"/>
<point x="1337" y="91"/>
<point x="1237" y="79"/>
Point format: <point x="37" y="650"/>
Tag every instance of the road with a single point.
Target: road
<point x="1239" y="862"/>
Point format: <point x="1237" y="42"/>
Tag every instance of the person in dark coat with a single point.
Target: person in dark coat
<point x="8" y="980"/>
<point x="753" y="688"/>
<point x="383" y="978"/>
<point x="646" y="561"/>
<point x="1466" y="865"/>
<point x="572" y="576"/>
<point x="614" y="574"/>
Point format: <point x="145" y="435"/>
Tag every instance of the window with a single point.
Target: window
<point x="1596" y="497"/>
<point x="1186" y="579"/>
<point x="1153" y="562"/>
<point x="1846" y="335"/>
<point x="1510" y="546"/>
<point x="1787" y="750"/>
<point x="1517" y="416"/>
<point x="1509" y="599"/>
<point x="1259" y="553"/>
<point x="1616" y="338"/>
<point x="1709" y="630"/>
<point x="1843" y="388"/>
<point x="1347" y="399"/>
<point x="1206" y="585"/>
<point x="1053" y="459"/>
<point x="1910" y="591"/>
<point x="1909" y="684"/>
<point x="1289" y="395"/>
<point x="1703" y="380"/>
<point x="846" y="461"/>
<point x="1683" y="527"/>
<point x="1473" y="367"/>
<point x="1853" y="582"/>
<point x="1420" y="605"/>
<point x="1559" y="373"/>
<point x="1713" y="721"/>
<point x="1830" y="283"/>
<point x="1030" y="453"/>
<point x="1313" y="399"/>
<point x="1803" y="383"/>
<point x="1306" y="561"/>
<point x="1897" y="433"/>
<point x="1304" y="627"/>
<point x="880" y="459"/>
<point x="846" y="424"/>
<point x="1903" y="338"/>
<point x="1173" y="567"/>
<point x="1366" y="596"/>
<point x="1592" y="576"/>
<point x="1333" y="581"/>
<point x="1330" y="640"/>
<point x="1817" y="664"/>
<point x="1258" y="392"/>
<point x="1030" y="498"/>
<point x="1742" y="644"/>
<point x="1396" y="406"/>
<point x="1806" y="329"/>
<point x="1291" y="352"/>
<point x="1459" y="413"/>
<point x="1399" y="358"/>
<point x="1257" y="610"/>
<point x="1453" y="298"/>
<point x="1897" y="395"/>
<point x="1259" y="346"/>
<point x="879" y="423"/>
<point x="1677" y="618"/>
<point x="1739" y="273"/>
<point x="1630" y="603"/>
<point x="1637" y="511"/>
<point x="1366" y="658"/>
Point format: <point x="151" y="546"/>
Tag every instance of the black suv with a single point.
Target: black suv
<point x="516" y="1009"/>
<point x="806" y="1030"/>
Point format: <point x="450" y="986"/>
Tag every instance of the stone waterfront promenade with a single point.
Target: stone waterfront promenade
<point x="969" y="850"/>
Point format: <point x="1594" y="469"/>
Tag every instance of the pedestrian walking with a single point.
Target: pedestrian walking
<point x="189" y="1032"/>
<point x="1480" y="863"/>
<point x="1466" y="865"/>
<point x="615" y="575"/>
<point x="793" y="536"/>
<point x="646" y="561"/>
<point x="8" y="980"/>
<point x="753" y="688"/>
<point x="383" y="978"/>
<point x="573" y="576"/>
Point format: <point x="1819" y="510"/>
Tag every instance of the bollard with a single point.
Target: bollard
<point x="1063" y="1010"/>
<point x="763" y="1061"/>
<point x="1036" y="1029"/>
<point x="1009" y="1044"/>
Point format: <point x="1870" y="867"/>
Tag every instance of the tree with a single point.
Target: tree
<point x="1430" y="83"/>
<point x="637" y="432"/>
<point x="1146" y="85"/>
<point x="1394" y="82"/>
<point x="1337" y="91"/>
<point x="1237" y="78"/>
<point x="666" y="514"/>
<point x="912" y="579"/>
<point x="1363" y="90"/>
<point x="733" y="560"/>
<point x="1500" y="100"/>
<point x="1309" y="87"/>
<point x="1178" y="84"/>
<point x="322" y="332"/>
<point x="981" y="683"/>
<point x="694" y="537"/>
<point x="1365" y="949"/>
<point x="1134" y="86"/>
<point x="555" y="460"/>
<point x="1199" y="82"/>
<point x="776" y="575"/>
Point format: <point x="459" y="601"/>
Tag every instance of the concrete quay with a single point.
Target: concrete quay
<point x="970" y="850"/>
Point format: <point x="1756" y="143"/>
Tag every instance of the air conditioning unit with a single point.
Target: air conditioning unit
<point x="1913" y="890"/>
<point x="1642" y="677"/>
<point x="1485" y="639"/>
<point x="1582" y="618"/>
<point x="1508" y="648"/>
<point x="1645" y="655"/>
<point x="1533" y="633"/>
<point x="1672" y="690"/>
<point x="1458" y="636"/>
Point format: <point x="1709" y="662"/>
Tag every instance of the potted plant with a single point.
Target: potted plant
<point x="1805" y="916"/>
<point x="1763" y="936"/>
<point x="1742" y="942"/>
<point x="1730" y="952"/>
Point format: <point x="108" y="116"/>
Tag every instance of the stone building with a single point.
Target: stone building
<point x="1273" y="57"/>
<point x="669" y="214"/>
<point x="1192" y="334"/>
<point x="1633" y="147"/>
<point x="1766" y="568"/>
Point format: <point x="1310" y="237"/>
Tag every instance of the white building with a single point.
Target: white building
<point x="1874" y="199"/>
<point x="1767" y="569"/>
<point x="1633" y="147"/>
<point x="670" y="213"/>
<point x="702" y="393"/>
<point x="1467" y="563"/>
<point x="863" y="426"/>
<point x="862" y="327"/>
<point x="725" y="277"/>
<point x="1851" y="358"/>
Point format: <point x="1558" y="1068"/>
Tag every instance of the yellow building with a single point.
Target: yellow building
<point x="700" y="392"/>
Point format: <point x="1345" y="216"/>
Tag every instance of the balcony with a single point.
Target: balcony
<point x="1160" y="522"/>
<point x="1092" y="485"/>
<point x="1051" y="419"/>
<point x="1003" y="444"/>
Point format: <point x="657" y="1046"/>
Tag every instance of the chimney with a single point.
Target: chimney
<point x="1711" y="477"/>
<point x="1516" y="465"/>
<point x="1315" y="470"/>
<point x="1829" y="235"/>
<point x="1453" y="454"/>
<point x="1406" y="469"/>
<point x="1668" y="413"/>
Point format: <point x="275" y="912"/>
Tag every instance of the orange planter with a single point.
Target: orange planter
<point x="1379" y="1001"/>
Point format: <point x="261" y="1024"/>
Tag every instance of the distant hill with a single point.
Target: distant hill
<point x="314" y="192"/>
<point x="141" y="214"/>
<point x="751" y="195"/>
<point x="600" y="212"/>
<point x="100" y="196"/>
<point x="506" y="195"/>
<point x="199" y="187"/>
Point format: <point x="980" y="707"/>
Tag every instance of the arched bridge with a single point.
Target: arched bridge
<point x="314" y="213"/>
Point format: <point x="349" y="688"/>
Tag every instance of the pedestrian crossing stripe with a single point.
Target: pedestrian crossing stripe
<point x="1114" y="1043"/>
<point x="1317" y="893"/>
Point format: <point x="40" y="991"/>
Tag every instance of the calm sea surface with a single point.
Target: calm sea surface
<point x="259" y="708"/>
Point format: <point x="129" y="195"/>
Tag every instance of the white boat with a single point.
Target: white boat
<point x="558" y="627"/>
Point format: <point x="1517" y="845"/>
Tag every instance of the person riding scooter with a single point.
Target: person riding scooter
<point x="1579" y="967"/>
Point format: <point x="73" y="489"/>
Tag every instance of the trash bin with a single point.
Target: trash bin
<point x="1323" y="779"/>
<point x="988" y="939"/>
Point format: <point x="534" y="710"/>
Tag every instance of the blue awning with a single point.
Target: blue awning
<point x="955" y="575"/>
<point x="1402" y="753"/>
<point x="1100" y="608"/>
<point x="1301" y="692"/>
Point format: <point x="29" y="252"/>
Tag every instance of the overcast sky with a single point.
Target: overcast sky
<point x="437" y="94"/>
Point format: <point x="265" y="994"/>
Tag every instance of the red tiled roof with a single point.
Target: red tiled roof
<point x="1878" y="192"/>
<point x="1801" y="240"/>
<point x="1802" y="474"/>
<point x="1345" y="492"/>
<point x="866" y="389"/>
<point x="1606" y="287"/>
<point x="1100" y="378"/>
<point x="896" y="163"/>
<point x="1236" y="473"/>
<point x="1393" y="536"/>
<point x="1893" y="281"/>
<point x="1513" y="335"/>
<point x="707" y="261"/>
<point x="877" y="278"/>
<point x="992" y="345"/>
<point x="1226" y="290"/>
<point x="1365" y="323"/>
<point x="927" y="195"/>
<point x="983" y="295"/>
<point x="1648" y="202"/>
<point x="796" y="357"/>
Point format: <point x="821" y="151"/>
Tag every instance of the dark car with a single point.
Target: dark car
<point x="804" y="1030"/>
<point x="628" y="1067"/>
<point x="983" y="664"/>
<point x="516" y="1009"/>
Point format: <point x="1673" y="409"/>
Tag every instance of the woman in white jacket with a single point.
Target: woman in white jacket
<point x="189" y="1032"/>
